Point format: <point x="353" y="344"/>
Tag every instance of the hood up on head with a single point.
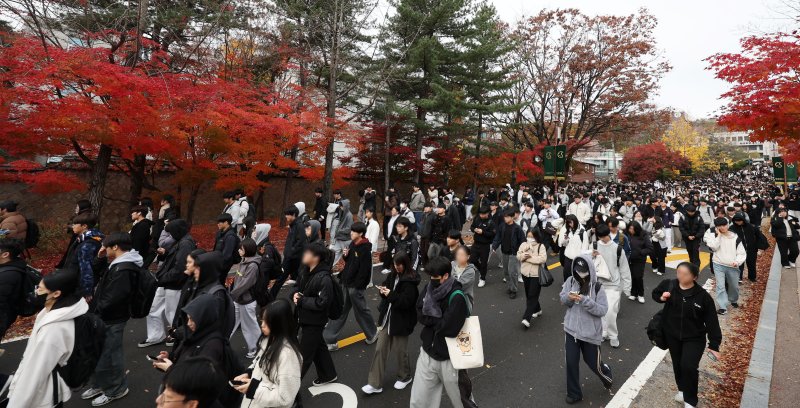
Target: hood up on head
<point x="345" y="204"/>
<point x="210" y="265"/>
<point x="261" y="233"/>
<point x="315" y="227"/>
<point x="585" y="261"/>
<point x="301" y="208"/>
<point x="204" y="312"/>
<point x="177" y="228"/>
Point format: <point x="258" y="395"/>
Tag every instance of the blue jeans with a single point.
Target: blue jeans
<point x="109" y="375"/>
<point x="418" y="218"/>
<point x="727" y="278"/>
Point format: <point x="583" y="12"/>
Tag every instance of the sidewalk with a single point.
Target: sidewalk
<point x="785" y="387"/>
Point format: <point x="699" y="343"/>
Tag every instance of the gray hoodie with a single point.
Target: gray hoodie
<point x="467" y="279"/>
<point x="583" y="320"/>
<point x="620" y="276"/>
<point x="345" y="221"/>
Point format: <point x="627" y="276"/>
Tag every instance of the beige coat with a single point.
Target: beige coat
<point x="530" y="257"/>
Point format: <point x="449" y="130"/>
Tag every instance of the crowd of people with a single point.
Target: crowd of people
<point x="291" y="304"/>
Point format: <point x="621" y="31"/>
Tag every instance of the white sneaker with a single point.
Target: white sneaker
<point x="105" y="399"/>
<point x="481" y="283"/>
<point x="787" y="267"/>
<point x="631" y="297"/>
<point x="640" y="299"/>
<point x="504" y="280"/>
<point x="614" y="342"/>
<point x="386" y="271"/>
<point x="659" y="273"/>
<point x="519" y="279"/>
<point x="251" y="355"/>
<point x="91" y="393"/>
<point x="333" y="347"/>
<point x="792" y="264"/>
<point x="368" y="389"/>
<point x="526" y="323"/>
<point x="687" y="405"/>
<point x="537" y="314"/>
<point x="401" y="385"/>
<point x="679" y="396"/>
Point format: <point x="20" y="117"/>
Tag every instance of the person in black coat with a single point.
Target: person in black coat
<point x="483" y="229"/>
<point x="690" y="325"/>
<point x="226" y="243"/>
<point x="12" y="268"/>
<point x="320" y="211"/>
<point x="784" y="229"/>
<point x="753" y="240"/>
<point x="692" y="229"/>
<point x="398" y="316"/>
<point x="293" y="249"/>
<point x="140" y="231"/>
<point x="641" y="248"/>
<point x="440" y="227"/>
<point x="313" y="294"/>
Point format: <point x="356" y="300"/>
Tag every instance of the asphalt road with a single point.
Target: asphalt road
<point x="523" y="368"/>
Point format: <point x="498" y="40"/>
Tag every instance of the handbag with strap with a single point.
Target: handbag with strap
<point x="466" y="349"/>
<point x="545" y="277"/>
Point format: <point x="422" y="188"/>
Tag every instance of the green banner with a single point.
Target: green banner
<point x="723" y="166"/>
<point x="791" y="172"/>
<point x="778" y="171"/>
<point x="561" y="162"/>
<point x="549" y="162"/>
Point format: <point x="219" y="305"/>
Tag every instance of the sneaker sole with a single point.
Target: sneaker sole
<point x="405" y="384"/>
<point x="151" y="344"/>
<point x="112" y="399"/>
<point x="326" y="382"/>
<point x="88" y="397"/>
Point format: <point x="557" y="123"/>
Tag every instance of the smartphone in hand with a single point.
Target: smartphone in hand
<point x="235" y="383"/>
<point x="153" y="358"/>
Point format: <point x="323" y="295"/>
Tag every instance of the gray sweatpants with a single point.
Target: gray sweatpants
<point x="510" y="271"/>
<point x="429" y="379"/>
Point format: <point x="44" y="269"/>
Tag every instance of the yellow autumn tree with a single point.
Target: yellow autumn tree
<point x="683" y="138"/>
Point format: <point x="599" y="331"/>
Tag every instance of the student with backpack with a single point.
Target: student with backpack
<point x="81" y="255"/>
<point x="270" y="267"/>
<point x="355" y="277"/>
<point x="112" y="302"/>
<point x="12" y="278"/>
<point x="244" y="302"/>
<point x="616" y="279"/>
<point x="641" y="248"/>
<point x="314" y="299"/>
<point x="227" y="244"/>
<point x="37" y="383"/>
<point x="574" y="240"/>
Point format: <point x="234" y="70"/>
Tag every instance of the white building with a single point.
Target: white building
<point x="758" y="151"/>
<point x="606" y="161"/>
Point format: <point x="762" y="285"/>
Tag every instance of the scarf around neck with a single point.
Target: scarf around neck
<point x="430" y="304"/>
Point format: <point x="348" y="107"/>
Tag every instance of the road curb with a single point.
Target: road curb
<point x="759" y="374"/>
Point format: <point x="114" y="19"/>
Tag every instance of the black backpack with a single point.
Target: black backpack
<point x="251" y="210"/>
<point x="90" y="336"/>
<point x="655" y="328"/>
<point x="336" y="307"/>
<point x="32" y="234"/>
<point x="143" y="289"/>
<point x="30" y="280"/>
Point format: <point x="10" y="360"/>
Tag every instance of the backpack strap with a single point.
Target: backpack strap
<point x="619" y="254"/>
<point x="459" y="292"/>
<point x="56" y="400"/>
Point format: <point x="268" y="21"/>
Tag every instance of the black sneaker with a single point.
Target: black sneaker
<point x="512" y="295"/>
<point x="735" y="305"/>
<point x="319" y="382"/>
<point x="571" y="400"/>
<point x="722" y="312"/>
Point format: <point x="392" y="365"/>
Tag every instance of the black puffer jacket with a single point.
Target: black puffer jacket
<point x="641" y="248"/>
<point x="171" y="274"/>
<point x="317" y="289"/>
<point x="403" y="301"/>
<point x="692" y="226"/>
<point x="779" y="228"/>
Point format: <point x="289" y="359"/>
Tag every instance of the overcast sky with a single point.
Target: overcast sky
<point x="688" y="31"/>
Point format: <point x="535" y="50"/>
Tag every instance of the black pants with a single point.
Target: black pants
<point x="788" y="250"/>
<point x="693" y="249"/>
<point x="465" y="389"/>
<point x="480" y="258"/>
<point x="752" y="256"/>
<point x="573" y="348"/>
<point x="290" y="268"/>
<point x="314" y="350"/>
<point x="532" y="291"/>
<point x="685" y="359"/>
<point x="637" y="278"/>
<point x="566" y="267"/>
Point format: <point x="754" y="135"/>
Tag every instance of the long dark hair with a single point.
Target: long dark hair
<point x="401" y="258"/>
<point x="279" y="319"/>
<point x="570" y="221"/>
<point x="637" y="228"/>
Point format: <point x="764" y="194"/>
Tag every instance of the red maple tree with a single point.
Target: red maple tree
<point x="765" y="93"/>
<point x="649" y="162"/>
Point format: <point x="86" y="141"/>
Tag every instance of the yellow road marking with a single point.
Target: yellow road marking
<point x="351" y="340"/>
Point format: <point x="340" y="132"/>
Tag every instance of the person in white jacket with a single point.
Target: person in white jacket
<point x="580" y="209"/>
<point x="233" y="208"/>
<point x="275" y="378"/>
<point x="616" y="281"/>
<point x="51" y="343"/>
<point x="729" y="253"/>
<point x="372" y="235"/>
<point x="574" y="239"/>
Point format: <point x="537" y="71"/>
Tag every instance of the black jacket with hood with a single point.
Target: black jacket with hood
<point x="317" y="292"/>
<point x="171" y="274"/>
<point x="227" y="244"/>
<point x="689" y="315"/>
<point x="358" y="265"/>
<point x="10" y="292"/>
<point x="692" y="226"/>
<point x="402" y="298"/>
<point x="295" y="242"/>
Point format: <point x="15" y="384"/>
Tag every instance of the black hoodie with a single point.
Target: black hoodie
<point x="358" y="265"/>
<point x="10" y="291"/>
<point x="689" y="315"/>
<point x="317" y="289"/>
<point x="205" y="340"/>
<point x="171" y="274"/>
<point x="210" y="265"/>
<point x="402" y="298"/>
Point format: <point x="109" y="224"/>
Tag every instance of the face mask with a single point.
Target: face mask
<point x="37" y="300"/>
<point x="531" y="240"/>
<point x="583" y="275"/>
<point x="435" y="284"/>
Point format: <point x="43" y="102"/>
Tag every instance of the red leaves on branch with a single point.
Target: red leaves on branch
<point x="653" y="161"/>
<point x="765" y="93"/>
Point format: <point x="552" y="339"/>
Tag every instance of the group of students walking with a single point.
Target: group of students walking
<point x="602" y="233"/>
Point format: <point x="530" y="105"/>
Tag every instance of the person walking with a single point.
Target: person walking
<point x="355" y="277"/>
<point x="573" y="240"/>
<point x="688" y="331"/>
<point x="532" y="254"/>
<point x="226" y="242"/>
<point x="12" y="268"/>
<point x="659" y="239"/>
<point x="729" y="253"/>
<point x="81" y="257"/>
<point x="274" y="376"/>
<point x="141" y="230"/>
<point x="754" y="243"/>
<point x="641" y="248"/>
<point x="244" y="303"/>
<point x="417" y="204"/>
<point x="483" y="234"/>
<point x="293" y="249"/>
<point x="464" y="271"/>
<point x="50" y="344"/>
<point x="617" y="283"/>
<point x="508" y="238"/>
<point x="586" y="304"/>
<point x="341" y="240"/>
<point x="785" y="231"/>
<point x="692" y="229"/>
<point x="398" y="316"/>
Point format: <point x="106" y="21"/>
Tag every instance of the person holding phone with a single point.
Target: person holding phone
<point x="273" y="379"/>
<point x="689" y="331"/>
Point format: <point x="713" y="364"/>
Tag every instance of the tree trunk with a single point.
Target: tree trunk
<point x="194" y="191"/>
<point x="99" y="178"/>
<point x="137" y="176"/>
<point x="446" y="145"/>
<point x="387" y="157"/>
<point x="259" y="203"/>
<point x="327" y="187"/>
<point x="287" y="188"/>
<point x="477" y="153"/>
<point x="421" y="113"/>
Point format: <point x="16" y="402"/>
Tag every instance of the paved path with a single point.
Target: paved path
<point x="785" y="383"/>
<point x="523" y="368"/>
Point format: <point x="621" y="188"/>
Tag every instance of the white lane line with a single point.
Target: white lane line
<point x="628" y="392"/>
